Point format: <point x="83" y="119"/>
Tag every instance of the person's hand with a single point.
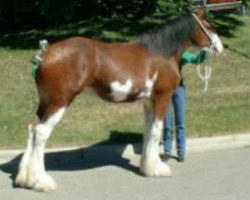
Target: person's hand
<point x="203" y="55"/>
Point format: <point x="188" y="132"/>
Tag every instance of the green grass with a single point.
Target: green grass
<point x="224" y="109"/>
<point x="241" y="44"/>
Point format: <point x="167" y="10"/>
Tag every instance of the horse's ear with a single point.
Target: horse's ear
<point x="200" y="12"/>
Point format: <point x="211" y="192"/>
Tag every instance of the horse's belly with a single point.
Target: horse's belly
<point x="127" y="91"/>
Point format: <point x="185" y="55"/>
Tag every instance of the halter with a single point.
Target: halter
<point x="203" y="28"/>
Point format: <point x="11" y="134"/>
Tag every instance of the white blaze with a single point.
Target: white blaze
<point x="217" y="43"/>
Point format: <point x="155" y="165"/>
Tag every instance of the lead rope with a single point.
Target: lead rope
<point x="205" y="74"/>
<point x="208" y="69"/>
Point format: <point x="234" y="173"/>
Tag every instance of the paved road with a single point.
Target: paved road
<point x="102" y="173"/>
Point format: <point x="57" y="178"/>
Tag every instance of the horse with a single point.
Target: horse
<point x="145" y="68"/>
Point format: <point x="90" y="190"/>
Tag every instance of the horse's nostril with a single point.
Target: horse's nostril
<point x="214" y="48"/>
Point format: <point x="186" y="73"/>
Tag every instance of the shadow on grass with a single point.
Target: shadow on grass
<point x="114" y="29"/>
<point x="226" y="24"/>
<point x="101" y="154"/>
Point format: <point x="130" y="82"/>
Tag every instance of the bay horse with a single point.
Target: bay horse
<point x="146" y="68"/>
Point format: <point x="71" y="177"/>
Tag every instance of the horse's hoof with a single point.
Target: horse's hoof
<point x="163" y="170"/>
<point x="45" y="184"/>
<point x="21" y="180"/>
<point x="160" y="169"/>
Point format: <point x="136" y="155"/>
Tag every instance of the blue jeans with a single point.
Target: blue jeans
<point x="178" y="106"/>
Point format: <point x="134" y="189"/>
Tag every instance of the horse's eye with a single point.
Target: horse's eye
<point x="207" y="25"/>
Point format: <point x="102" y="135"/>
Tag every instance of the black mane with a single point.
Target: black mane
<point x="170" y="38"/>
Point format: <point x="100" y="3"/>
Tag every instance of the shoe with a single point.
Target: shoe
<point x="181" y="158"/>
<point x="165" y="157"/>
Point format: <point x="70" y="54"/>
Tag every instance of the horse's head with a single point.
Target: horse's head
<point x="205" y="35"/>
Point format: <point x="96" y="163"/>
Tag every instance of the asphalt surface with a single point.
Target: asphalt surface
<point x="105" y="173"/>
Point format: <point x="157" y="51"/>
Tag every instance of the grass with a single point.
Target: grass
<point x="224" y="109"/>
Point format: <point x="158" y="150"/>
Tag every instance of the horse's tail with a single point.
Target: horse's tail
<point x="37" y="59"/>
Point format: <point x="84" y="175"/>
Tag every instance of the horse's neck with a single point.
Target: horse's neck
<point x="180" y="53"/>
<point x="178" y="56"/>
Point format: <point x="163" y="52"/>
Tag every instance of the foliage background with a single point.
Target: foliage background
<point x="39" y="13"/>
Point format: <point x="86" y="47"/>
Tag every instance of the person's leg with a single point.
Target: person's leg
<point x="168" y="131"/>
<point x="180" y="114"/>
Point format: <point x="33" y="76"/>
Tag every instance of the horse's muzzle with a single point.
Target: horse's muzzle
<point x="217" y="46"/>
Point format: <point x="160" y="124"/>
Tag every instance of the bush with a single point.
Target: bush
<point x="53" y="12"/>
<point x="57" y="11"/>
<point x="173" y="7"/>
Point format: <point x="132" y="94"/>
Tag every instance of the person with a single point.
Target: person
<point x="178" y="107"/>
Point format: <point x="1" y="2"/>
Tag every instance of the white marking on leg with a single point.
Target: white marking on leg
<point x="151" y="163"/>
<point x="146" y="93"/>
<point x="120" y="91"/>
<point x="23" y="166"/>
<point x="37" y="178"/>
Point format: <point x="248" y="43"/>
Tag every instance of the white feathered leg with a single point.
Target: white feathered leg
<point x="23" y="166"/>
<point x="35" y="175"/>
<point x="151" y="164"/>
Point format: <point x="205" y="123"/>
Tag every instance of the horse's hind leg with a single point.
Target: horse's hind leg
<point x="32" y="172"/>
<point x="23" y="166"/>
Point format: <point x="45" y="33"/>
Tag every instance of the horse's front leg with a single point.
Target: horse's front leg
<point x="151" y="163"/>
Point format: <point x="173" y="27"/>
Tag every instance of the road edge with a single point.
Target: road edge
<point x="193" y="145"/>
